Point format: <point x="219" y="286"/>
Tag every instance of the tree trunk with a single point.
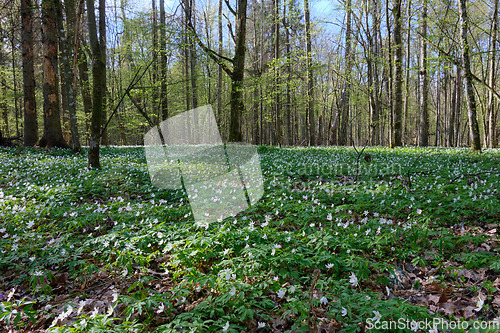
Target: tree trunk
<point x="208" y="67"/>
<point x="277" y="90"/>
<point x="98" y="77"/>
<point x="102" y="44"/>
<point x="255" y="81"/>
<point x="185" y="54"/>
<point x="13" y="41"/>
<point x="163" y="62"/>
<point x="52" y="136"/>
<point x="492" y="140"/>
<point x="255" y="112"/>
<point x="404" y="130"/>
<point x="261" y="70"/>
<point x="446" y="105"/>
<point x="309" y="71"/>
<point x="3" y="85"/>
<point x="237" y="105"/>
<point x="423" y="138"/>
<point x="192" y="58"/>
<point x="451" y="128"/>
<point x="373" y="76"/>
<point x="63" y="64"/>
<point x="30" y="118"/>
<point x="458" y="111"/>
<point x="219" y="72"/>
<point x="469" y="90"/>
<point x="83" y="72"/>
<point x="388" y="81"/>
<point x="398" y="71"/>
<point x="438" y="108"/>
<point x="288" y="104"/>
<point x="154" y="78"/>
<point x="346" y="92"/>
<point x="66" y="38"/>
<point x="236" y="73"/>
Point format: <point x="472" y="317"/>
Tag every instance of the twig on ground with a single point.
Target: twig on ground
<point x="311" y="291"/>
<point x="359" y="155"/>
<point x="475" y="175"/>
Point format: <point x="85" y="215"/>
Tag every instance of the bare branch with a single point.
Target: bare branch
<point x="459" y="64"/>
<point x="211" y="53"/>
<point x="139" y="108"/>
<point x="230" y="8"/>
<point x="230" y="28"/>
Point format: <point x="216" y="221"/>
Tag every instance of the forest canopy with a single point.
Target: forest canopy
<point x="375" y="72"/>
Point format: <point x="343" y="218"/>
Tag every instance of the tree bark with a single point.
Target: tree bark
<point x="3" y="85"/>
<point x="277" y="90"/>
<point x="185" y="54"/>
<point x="237" y="105"/>
<point x="103" y="81"/>
<point x="423" y="138"/>
<point x="388" y="82"/>
<point x="52" y="136"/>
<point x="446" y="105"/>
<point x="83" y="72"/>
<point x="219" y="72"/>
<point x="309" y="71"/>
<point x="236" y="73"/>
<point x="451" y="128"/>
<point x="155" y="62"/>
<point x="404" y="130"/>
<point x="192" y="57"/>
<point x="13" y="43"/>
<point x="30" y="118"/>
<point x="207" y="65"/>
<point x="458" y="111"/>
<point x="346" y="92"/>
<point x="66" y="38"/>
<point x="469" y="88"/>
<point x="288" y="104"/>
<point x="398" y="71"/>
<point x="437" y="138"/>
<point x="261" y="71"/>
<point x="255" y="81"/>
<point x="163" y="62"/>
<point x="492" y="140"/>
<point x="98" y="77"/>
<point x="373" y="75"/>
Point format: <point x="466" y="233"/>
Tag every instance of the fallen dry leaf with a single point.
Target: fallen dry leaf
<point x="421" y="300"/>
<point x="468" y="312"/>
<point x="469" y="274"/>
<point x="448" y="308"/>
<point x="443" y="298"/>
<point x="496" y="301"/>
<point x="433" y="298"/>
<point x="434" y="286"/>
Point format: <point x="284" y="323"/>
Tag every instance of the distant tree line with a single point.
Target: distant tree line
<point x="405" y="72"/>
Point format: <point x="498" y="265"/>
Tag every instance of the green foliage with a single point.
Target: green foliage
<point x="113" y="226"/>
<point x="13" y="312"/>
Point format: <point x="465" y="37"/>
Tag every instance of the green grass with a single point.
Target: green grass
<point x="402" y="224"/>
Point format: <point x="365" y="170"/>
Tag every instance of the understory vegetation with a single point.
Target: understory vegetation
<point x="341" y="238"/>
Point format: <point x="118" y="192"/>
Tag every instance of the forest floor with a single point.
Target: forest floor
<point x="340" y="242"/>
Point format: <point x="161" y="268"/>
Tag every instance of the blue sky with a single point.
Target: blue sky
<point x="321" y="10"/>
